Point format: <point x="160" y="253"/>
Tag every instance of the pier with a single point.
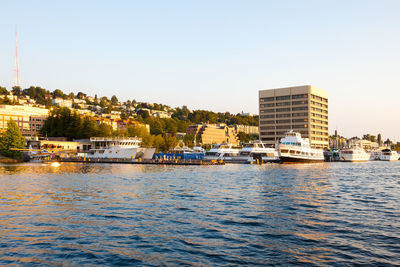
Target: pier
<point x="138" y="161"/>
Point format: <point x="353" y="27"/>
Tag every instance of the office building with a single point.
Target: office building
<point x="302" y="109"/>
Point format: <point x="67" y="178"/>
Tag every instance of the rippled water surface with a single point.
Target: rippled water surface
<point x="322" y="214"/>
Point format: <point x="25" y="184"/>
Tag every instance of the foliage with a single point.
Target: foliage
<point x="62" y="122"/>
<point x="12" y="138"/>
<point x="3" y="91"/>
<point x="38" y="94"/>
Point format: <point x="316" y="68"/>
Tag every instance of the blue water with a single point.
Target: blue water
<point x="317" y="214"/>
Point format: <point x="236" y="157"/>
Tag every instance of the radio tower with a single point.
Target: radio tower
<point x="16" y="65"/>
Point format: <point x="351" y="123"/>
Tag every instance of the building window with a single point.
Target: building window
<point x="283" y="115"/>
<point x="267" y="116"/>
<point x="283" y="104"/>
<point x="299" y="96"/>
<point x="299" y="114"/>
<point x="268" y="122"/>
<point x="282" y="109"/>
<point x="267" y="105"/>
<point x="267" y="128"/>
<point x="300" y="120"/>
<point x="299" y="108"/>
<point x="268" y="110"/>
<point x="286" y="97"/>
<point x="283" y="121"/>
<point x="299" y="102"/>
<point x="267" y="99"/>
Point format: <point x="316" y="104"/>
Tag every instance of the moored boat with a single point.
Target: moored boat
<point x="295" y="149"/>
<point x="117" y="148"/>
<point x="222" y="151"/>
<point x="355" y="154"/>
<point x="388" y="155"/>
<point x="257" y="150"/>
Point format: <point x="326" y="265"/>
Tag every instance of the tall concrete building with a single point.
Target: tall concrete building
<point x="302" y="109"/>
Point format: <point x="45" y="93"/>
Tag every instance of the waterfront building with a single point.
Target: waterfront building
<point x="252" y="130"/>
<point x="214" y="133"/>
<point x="303" y="109"/>
<point x="29" y="119"/>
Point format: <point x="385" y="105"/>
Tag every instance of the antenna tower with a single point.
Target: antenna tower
<point x="16" y="64"/>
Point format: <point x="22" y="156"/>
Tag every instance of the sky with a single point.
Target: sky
<point x="214" y="55"/>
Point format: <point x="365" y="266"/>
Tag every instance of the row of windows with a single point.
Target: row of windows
<point x="282" y="121"/>
<point x="282" y="133"/>
<point x="319" y="127"/>
<point x="319" y="116"/>
<point x="304" y="102"/>
<point x="285" y="115"/>
<point x="319" y="133"/>
<point x="319" y="98"/>
<point x="283" y="109"/>
<point x="319" y="104"/>
<point x="320" y="122"/>
<point x="286" y="97"/>
<point x="319" y="139"/>
<point x="319" y="110"/>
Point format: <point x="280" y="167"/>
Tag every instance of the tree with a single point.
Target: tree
<point x="114" y="100"/>
<point x="12" y="138"/>
<point x="16" y="90"/>
<point x="3" y="91"/>
<point x="59" y="93"/>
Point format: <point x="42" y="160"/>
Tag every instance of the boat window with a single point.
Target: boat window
<point x="284" y="151"/>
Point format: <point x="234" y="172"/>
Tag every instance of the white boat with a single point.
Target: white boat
<point x="295" y="149"/>
<point x="117" y="148"/>
<point x="355" y="154"/>
<point x="389" y="155"/>
<point x="257" y="150"/>
<point x="222" y="151"/>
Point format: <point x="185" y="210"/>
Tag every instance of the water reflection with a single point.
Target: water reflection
<point x="99" y="214"/>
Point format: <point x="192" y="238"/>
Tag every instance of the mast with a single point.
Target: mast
<point x="16" y="64"/>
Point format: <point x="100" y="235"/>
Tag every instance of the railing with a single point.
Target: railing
<point x="105" y="139"/>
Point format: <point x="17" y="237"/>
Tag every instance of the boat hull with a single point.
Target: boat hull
<point x="293" y="160"/>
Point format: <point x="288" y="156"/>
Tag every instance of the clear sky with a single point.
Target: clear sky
<point x="214" y="55"/>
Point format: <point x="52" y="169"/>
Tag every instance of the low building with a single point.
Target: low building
<point x="252" y="130"/>
<point x="29" y="119"/>
<point x="58" y="101"/>
<point x="214" y="133"/>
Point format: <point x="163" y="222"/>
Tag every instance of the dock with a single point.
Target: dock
<point x="138" y="161"/>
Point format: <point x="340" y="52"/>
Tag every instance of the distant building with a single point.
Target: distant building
<point x="214" y="133"/>
<point x="58" y="101"/>
<point x="303" y="109"/>
<point x="252" y="130"/>
<point x="29" y="119"/>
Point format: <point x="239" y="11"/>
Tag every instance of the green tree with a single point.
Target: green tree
<point x="114" y="100"/>
<point x="59" y="93"/>
<point x="169" y="142"/>
<point x="12" y="138"/>
<point x="3" y="91"/>
<point x="16" y="90"/>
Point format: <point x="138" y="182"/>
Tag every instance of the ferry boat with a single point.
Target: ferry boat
<point x="256" y="150"/>
<point x="117" y="148"/>
<point x="295" y="149"/>
<point x="181" y="151"/>
<point x="355" y="154"/>
<point x="388" y="155"/>
<point x="222" y="151"/>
